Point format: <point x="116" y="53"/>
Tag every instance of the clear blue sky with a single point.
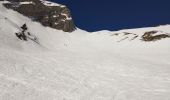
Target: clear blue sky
<point x="95" y="15"/>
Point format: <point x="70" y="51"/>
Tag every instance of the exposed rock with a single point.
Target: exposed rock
<point x="127" y="33"/>
<point x="153" y="36"/>
<point x="47" y="13"/>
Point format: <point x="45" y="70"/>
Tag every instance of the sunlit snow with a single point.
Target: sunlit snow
<point x="81" y="65"/>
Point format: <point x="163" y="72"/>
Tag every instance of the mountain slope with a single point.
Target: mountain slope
<point x="81" y="65"/>
<point x="50" y="14"/>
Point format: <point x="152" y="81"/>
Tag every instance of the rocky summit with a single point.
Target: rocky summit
<point x="47" y="13"/>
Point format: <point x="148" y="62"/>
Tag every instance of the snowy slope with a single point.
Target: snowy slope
<point x="81" y="65"/>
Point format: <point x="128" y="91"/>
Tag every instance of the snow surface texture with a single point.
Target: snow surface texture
<point x="25" y="3"/>
<point x="81" y="65"/>
<point x="48" y="3"/>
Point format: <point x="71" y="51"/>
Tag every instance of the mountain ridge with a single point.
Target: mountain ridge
<point x="47" y="13"/>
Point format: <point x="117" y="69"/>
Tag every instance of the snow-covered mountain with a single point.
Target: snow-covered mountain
<point x="47" y="13"/>
<point x="128" y="64"/>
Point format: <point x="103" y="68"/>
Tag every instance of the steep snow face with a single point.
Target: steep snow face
<point x="80" y="65"/>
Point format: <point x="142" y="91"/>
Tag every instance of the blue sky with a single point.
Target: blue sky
<point x="95" y="15"/>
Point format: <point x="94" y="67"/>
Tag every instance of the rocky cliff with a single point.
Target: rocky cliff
<point x="47" y="13"/>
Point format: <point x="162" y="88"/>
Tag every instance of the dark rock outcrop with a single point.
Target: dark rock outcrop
<point x="47" y="13"/>
<point x="152" y="36"/>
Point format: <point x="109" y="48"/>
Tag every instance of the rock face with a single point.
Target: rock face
<point x="47" y="13"/>
<point x="154" y="35"/>
<point x="146" y="35"/>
